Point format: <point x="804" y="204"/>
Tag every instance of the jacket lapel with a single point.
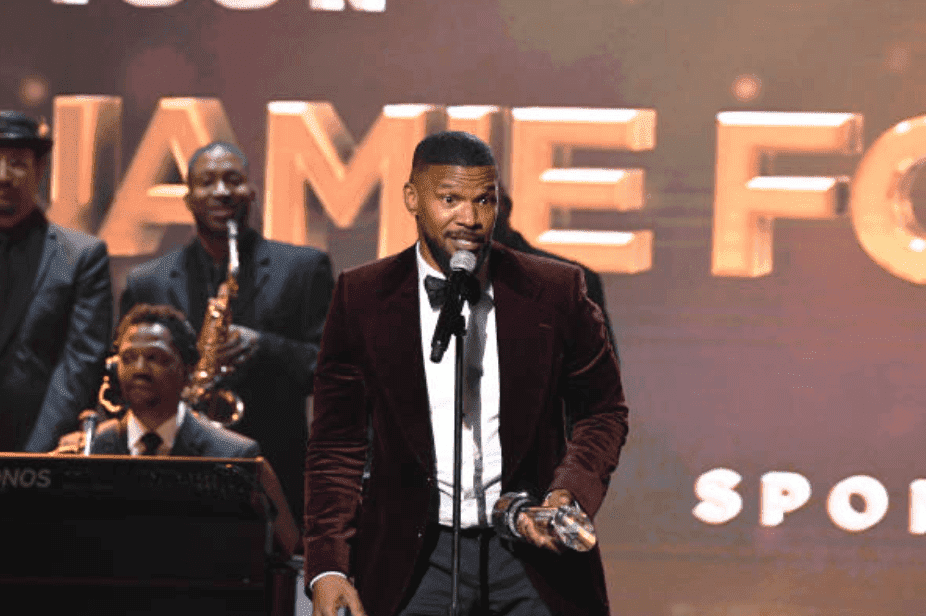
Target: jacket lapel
<point x="261" y="276"/>
<point x="404" y="382"/>
<point x="113" y="442"/>
<point x="13" y="320"/>
<point x="525" y="346"/>
<point x="189" y="440"/>
<point x="122" y="440"/>
<point x="49" y="254"/>
<point x="177" y="281"/>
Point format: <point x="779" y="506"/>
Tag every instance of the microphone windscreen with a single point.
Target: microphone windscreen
<point x="463" y="260"/>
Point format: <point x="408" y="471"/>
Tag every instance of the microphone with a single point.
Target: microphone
<point x="88" y="422"/>
<point x="459" y="287"/>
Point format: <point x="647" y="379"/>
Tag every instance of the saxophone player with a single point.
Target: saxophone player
<point x="277" y="313"/>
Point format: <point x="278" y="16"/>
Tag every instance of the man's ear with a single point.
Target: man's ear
<point x="410" y="193"/>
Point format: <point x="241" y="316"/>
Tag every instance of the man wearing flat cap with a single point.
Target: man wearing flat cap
<point x="55" y="301"/>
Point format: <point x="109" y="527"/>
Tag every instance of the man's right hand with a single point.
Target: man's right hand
<point x="72" y="442"/>
<point x="333" y="591"/>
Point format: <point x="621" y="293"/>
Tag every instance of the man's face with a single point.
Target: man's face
<point x="151" y="371"/>
<point x="455" y="208"/>
<point x="219" y="191"/>
<point x="20" y="172"/>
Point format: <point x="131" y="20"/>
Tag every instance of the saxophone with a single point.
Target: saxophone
<point x="202" y="393"/>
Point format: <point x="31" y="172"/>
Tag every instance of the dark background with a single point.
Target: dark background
<point x="816" y="368"/>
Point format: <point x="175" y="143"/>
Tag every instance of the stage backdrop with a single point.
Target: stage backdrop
<point x="751" y="214"/>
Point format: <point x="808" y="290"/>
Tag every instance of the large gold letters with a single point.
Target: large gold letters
<point x="536" y="187"/>
<point x="307" y="144"/>
<point x="745" y="203"/>
<point x="85" y="159"/>
<point x="881" y="212"/>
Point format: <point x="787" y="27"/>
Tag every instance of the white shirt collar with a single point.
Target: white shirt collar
<point x="167" y="431"/>
<point x="424" y="268"/>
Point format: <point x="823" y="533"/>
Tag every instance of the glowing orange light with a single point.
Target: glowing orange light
<point x="746" y="87"/>
<point x="33" y="90"/>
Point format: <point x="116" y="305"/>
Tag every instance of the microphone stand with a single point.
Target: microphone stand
<point x="462" y="263"/>
<point x="459" y="330"/>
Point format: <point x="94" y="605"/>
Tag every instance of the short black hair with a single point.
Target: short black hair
<point x="224" y="145"/>
<point x="452" y="147"/>
<point x="182" y="333"/>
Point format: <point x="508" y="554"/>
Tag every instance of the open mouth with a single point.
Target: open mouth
<point x="140" y="383"/>
<point x="471" y="243"/>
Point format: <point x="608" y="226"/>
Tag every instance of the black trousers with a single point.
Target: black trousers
<point x="492" y="581"/>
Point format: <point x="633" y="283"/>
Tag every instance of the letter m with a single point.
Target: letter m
<point x="308" y="144"/>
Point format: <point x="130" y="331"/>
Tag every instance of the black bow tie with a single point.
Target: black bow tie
<point x="437" y="290"/>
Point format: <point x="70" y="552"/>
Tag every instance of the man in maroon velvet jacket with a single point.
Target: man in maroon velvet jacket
<point x="542" y="342"/>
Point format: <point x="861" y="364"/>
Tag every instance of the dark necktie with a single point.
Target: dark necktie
<point x="151" y="441"/>
<point x="437" y="291"/>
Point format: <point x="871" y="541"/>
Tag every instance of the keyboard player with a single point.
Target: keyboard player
<point x="156" y="353"/>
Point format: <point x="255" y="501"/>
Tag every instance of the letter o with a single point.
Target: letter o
<point x="844" y="515"/>
<point x="880" y="205"/>
<point x="27" y="478"/>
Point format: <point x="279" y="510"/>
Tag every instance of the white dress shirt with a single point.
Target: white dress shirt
<point x="482" y="450"/>
<point x="167" y="431"/>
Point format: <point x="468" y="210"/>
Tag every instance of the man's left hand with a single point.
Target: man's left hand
<point x="241" y="344"/>
<point x="532" y="531"/>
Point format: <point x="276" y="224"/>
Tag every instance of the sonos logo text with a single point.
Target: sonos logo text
<point x="24" y="478"/>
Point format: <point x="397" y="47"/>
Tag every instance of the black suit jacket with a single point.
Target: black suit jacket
<point x="196" y="438"/>
<point x="290" y="297"/>
<point x="52" y="347"/>
<point x="553" y="348"/>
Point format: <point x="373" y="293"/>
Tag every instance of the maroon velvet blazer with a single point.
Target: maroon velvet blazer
<point x="552" y="346"/>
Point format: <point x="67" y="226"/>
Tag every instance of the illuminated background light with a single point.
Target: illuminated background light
<point x="746" y="88"/>
<point x="33" y="90"/>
